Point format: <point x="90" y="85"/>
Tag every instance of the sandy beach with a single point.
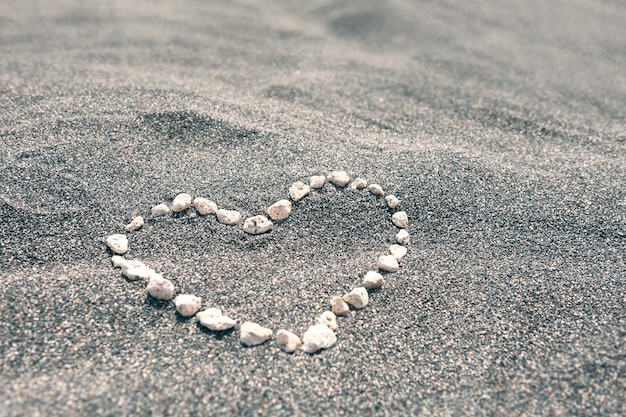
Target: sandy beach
<point x="500" y="126"/>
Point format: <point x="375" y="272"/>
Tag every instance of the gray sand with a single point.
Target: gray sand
<point x="501" y="127"/>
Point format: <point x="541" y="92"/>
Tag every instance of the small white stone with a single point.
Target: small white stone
<point x="339" y="307"/>
<point x="339" y="178"/>
<point x="128" y="264"/>
<point x="117" y="261"/>
<point x="372" y="280"/>
<point x="388" y="263"/>
<point x="287" y="341"/>
<point x="398" y="251"/>
<point x="298" y="191"/>
<point x="317" y="181"/>
<point x="376" y="189"/>
<point x="392" y="201"/>
<point x="160" y="210"/>
<point x="229" y="217"/>
<point x="358" y="183"/>
<point x="204" y="206"/>
<point x="400" y="219"/>
<point x="219" y="324"/>
<point x="357" y="298"/>
<point x="257" y="225"/>
<point x="208" y="313"/>
<point x="118" y="243"/>
<point x="187" y="304"/>
<point x="280" y="210"/>
<point x="329" y="319"/>
<point x="135" y="270"/>
<point x="181" y="202"/>
<point x="318" y="337"/>
<point x="403" y="237"/>
<point x="136" y="224"/>
<point x="213" y="319"/>
<point x="160" y="288"/>
<point x="252" y="334"/>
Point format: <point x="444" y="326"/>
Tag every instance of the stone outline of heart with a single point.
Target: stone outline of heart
<point x="321" y="335"/>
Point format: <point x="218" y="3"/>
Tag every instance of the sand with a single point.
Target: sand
<point x="499" y="127"/>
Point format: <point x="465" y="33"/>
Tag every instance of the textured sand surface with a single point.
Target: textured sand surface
<point x="500" y="126"/>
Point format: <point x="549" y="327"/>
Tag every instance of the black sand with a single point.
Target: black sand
<point x="500" y="126"/>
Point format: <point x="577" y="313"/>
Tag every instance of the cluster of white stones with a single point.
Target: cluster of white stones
<point x="318" y="336"/>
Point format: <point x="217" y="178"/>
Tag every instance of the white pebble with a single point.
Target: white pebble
<point x="287" y="341"/>
<point x="221" y="323"/>
<point x="357" y="298"/>
<point x="160" y="288"/>
<point x="317" y="181"/>
<point x="209" y="312"/>
<point x="298" y="191"/>
<point x="388" y="263"/>
<point x="400" y="219"/>
<point x="328" y="318"/>
<point x="117" y="261"/>
<point x="280" y="210"/>
<point x="204" y="206"/>
<point x="136" y="224"/>
<point x="398" y="251"/>
<point x="403" y="237"/>
<point x="252" y="334"/>
<point x="257" y="225"/>
<point x="118" y="243"/>
<point x="339" y="178"/>
<point x="187" y="304"/>
<point x="160" y="210"/>
<point x="392" y="201"/>
<point x="358" y="184"/>
<point x="372" y="280"/>
<point x="376" y="189"/>
<point x="213" y="319"/>
<point x="128" y="264"/>
<point x="229" y="217"/>
<point x="181" y="202"/>
<point x="318" y="337"/>
<point x="339" y="307"/>
<point x="135" y="270"/>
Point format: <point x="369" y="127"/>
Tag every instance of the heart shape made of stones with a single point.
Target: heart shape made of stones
<point x="320" y="335"/>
